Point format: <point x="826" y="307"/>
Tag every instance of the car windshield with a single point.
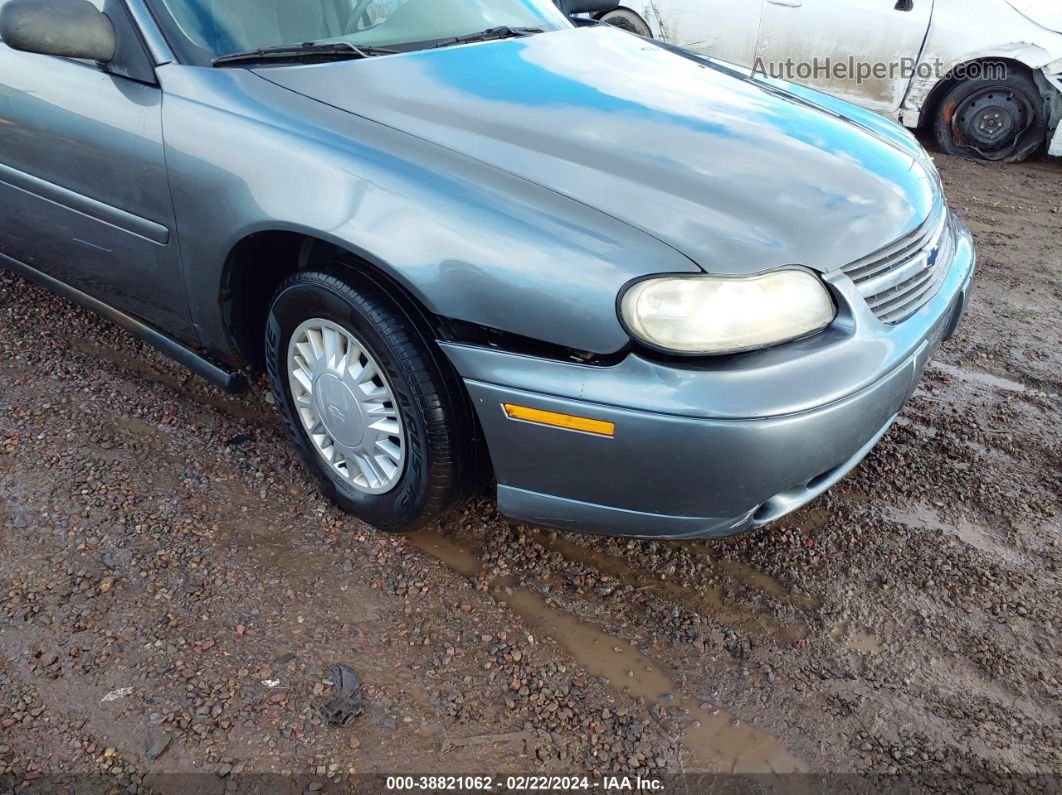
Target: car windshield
<point x="216" y="28"/>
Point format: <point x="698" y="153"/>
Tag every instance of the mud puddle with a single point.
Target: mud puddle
<point x="968" y="376"/>
<point x="711" y="739"/>
<point x="980" y="538"/>
<point x="861" y="642"/>
<point x="706" y="600"/>
<point x="274" y="548"/>
<point x="754" y="578"/>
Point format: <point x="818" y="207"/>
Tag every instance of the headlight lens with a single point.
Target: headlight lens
<point x="715" y="315"/>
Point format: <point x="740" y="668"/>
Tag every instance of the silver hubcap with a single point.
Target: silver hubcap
<point x="346" y="406"/>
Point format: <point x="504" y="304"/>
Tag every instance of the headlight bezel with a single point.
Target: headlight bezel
<point x="649" y="345"/>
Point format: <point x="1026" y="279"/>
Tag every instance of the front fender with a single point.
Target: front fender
<point x="470" y="241"/>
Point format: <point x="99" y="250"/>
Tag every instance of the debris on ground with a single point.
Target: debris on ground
<point x="346" y="702"/>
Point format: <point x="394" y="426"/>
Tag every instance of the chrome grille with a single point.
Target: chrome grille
<point x="901" y="278"/>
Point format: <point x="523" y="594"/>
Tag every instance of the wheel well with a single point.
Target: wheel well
<point x="259" y="263"/>
<point x="629" y="10"/>
<point x="941" y="89"/>
<point x="621" y="7"/>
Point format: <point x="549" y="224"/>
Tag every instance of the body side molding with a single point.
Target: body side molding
<point x="86" y="205"/>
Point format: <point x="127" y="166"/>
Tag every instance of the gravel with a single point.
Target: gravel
<point x="160" y="541"/>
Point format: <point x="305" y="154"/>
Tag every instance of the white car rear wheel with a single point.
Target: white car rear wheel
<point x="628" y="20"/>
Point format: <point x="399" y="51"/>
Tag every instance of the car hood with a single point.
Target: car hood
<point x="734" y="173"/>
<point x="1045" y="13"/>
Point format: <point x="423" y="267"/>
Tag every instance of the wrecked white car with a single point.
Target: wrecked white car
<point x="985" y="76"/>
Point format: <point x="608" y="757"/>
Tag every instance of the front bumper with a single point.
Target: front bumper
<point x="706" y="449"/>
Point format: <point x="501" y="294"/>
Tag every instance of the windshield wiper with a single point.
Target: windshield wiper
<point x="308" y="52"/>
<point x="502" y="32"/>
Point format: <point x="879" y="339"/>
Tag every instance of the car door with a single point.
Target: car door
<point x="861" y="50"/>
<point x="83" y="185"/>
<point x="723" y="29"/>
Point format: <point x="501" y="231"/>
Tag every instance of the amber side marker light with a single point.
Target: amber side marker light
<point x="553" y="419"/>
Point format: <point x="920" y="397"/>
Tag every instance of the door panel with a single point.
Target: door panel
<point x="83" y="185"/>
<point x="846" y="32"/>
<point x="723" y="29"/>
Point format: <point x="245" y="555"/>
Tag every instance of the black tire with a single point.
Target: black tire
<point x="439" y="467"/>
<point x="998" y="120"/>
<point x="628" y="20"/>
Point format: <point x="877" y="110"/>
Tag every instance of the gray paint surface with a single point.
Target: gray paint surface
<point x="739" y="178"/>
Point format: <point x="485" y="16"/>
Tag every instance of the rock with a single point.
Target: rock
<point x="158" y="746"/>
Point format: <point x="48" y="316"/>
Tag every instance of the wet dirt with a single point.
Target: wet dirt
<point x="712" y="740"/>
<point x="706" y="600"/>
<point x="862" y="642"/>
<point x="158" y="535"/>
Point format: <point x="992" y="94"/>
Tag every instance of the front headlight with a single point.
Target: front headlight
<point x="707" y="315"/>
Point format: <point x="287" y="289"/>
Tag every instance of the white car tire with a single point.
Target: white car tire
<point x="628" y="20"/>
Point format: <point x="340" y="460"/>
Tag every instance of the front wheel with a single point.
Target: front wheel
<point x="374" y="414"/>
<point x="985" y="119"/>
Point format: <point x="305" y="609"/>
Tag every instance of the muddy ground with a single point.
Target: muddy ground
<point x="173" y="591"/>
